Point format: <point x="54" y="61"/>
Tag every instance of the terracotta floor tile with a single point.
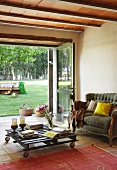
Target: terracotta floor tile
<point x="16" y="155"/>
<point x="13" y="151"/>
<point x="3" y="152"/>
<point x="5" y="158"/>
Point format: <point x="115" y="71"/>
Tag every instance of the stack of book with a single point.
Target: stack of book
<point x="34" y="126"/>
<point x="28" y="134"/>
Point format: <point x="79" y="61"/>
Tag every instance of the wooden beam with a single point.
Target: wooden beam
<point x="29" y="44"/>
<point x="37" y="38"/>
<point x="60" y="12"/>
<point x="41" y="26"/>
<point x="93" y="4"/>
<point x="49" y="19"/>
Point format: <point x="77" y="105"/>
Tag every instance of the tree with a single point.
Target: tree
<point x="64" y="57"/>
<point x="41" y="64"/>
<point x="23" y="61"/>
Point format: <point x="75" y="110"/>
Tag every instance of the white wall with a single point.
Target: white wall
<point x="97" y="66"/>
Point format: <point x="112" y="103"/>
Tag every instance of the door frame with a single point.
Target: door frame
<point x="52" y="76"/>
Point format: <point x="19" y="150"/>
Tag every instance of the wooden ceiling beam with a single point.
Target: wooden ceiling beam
<point x="28" y="44"/>
<point x="93" y="4"/>
<point x="60" y="12"/>
<point x="36" y="38"/>
<point x="40" y="26"/>
<point x="48" y="19"/>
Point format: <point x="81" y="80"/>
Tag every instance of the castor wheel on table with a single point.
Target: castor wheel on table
<point x="7" y="138"/>
<point x="72" y="144"/>
<point x="26" y="154"/>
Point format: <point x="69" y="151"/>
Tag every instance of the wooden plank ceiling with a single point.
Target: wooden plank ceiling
<point x="67" y="15"/>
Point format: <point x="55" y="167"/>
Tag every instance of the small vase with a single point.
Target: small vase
<point x="50" y="125"/>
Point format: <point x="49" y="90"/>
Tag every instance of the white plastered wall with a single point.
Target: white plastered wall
<point x="97" y="60"/>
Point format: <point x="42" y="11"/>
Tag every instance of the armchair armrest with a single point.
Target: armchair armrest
<point x="114" y="123"/>
<point x="114" y="114"/>
<point x="113" y="127"/>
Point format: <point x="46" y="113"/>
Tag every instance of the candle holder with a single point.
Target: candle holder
<point x="14" y="127"/>
<point x="22" y="126"/>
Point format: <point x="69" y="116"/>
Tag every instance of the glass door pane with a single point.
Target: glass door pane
<point x="64" y="78"/>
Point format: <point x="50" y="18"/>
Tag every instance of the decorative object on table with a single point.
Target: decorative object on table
<point x="22" y="123"/>
<point x="40" y="110"/>
<point x="14" y="125"/>
<point x="49" y="117"/>
<point x="26" y="110"/>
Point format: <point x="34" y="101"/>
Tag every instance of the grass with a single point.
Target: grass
<point x="36" y="95"/>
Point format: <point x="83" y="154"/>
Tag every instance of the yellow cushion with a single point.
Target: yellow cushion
<point x="103" y="108"/>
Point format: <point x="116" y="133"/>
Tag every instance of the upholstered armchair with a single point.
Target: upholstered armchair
<point x="96" y="122"/>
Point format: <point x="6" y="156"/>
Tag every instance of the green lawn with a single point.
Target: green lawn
<point x="37" y="91"/>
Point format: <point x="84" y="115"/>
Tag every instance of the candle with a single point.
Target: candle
<point x="22" y="120"/>
<point x="14" y="122"/>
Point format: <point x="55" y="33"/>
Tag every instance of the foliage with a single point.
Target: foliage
<point x="49" y="118"/>
<point x="44" y="109"/>
<point x="64" y="57"/>
<point x="23" y="61"/>
<point x="41" y="65"/>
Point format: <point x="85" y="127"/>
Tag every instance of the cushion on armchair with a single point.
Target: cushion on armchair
<point x="103" y="108"/>
<point x="91" y="106"/>
<point x="98" y="121"/>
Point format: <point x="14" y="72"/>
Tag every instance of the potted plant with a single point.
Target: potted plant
<point x="39" y="110"/>
<point x="42" y="111"/>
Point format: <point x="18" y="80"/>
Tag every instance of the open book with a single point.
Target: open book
<point x="51" y="134"/>
<point x="56" y="131"/>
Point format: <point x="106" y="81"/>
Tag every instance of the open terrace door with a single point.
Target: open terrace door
<point x="63" y="78"/>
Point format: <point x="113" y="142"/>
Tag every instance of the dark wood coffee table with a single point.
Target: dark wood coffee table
<point x="40" y="141"/>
